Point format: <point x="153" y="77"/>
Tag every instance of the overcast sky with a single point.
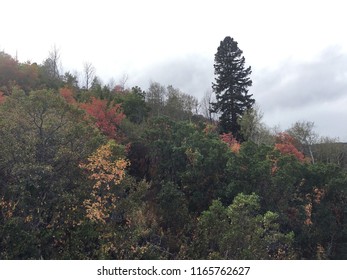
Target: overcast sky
<point x="297" y="49"/>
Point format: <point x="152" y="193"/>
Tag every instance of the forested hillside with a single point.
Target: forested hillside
<point x="95" y="171"/>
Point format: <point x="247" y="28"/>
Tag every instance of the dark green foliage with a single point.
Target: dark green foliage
<point x="173" y="207"/>
<point x="231" y="86"/>
<point x="187" y="156"/>
<point x="134" y="106"/>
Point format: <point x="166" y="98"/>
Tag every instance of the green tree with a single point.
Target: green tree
<point x="231" y="86"/>
<point x="71" y="81"/>
<point x="134" y="105"/>
<point x="240" y="231"/>
<point x="211" y="225"/>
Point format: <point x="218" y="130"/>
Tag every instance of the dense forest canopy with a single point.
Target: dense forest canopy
<point x="94" y="171"/>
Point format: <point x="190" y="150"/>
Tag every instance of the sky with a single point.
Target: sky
<point x="297" y="49"/>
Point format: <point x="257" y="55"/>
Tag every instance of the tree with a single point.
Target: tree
<point x="253" y="129"/>
<point x="70" y="80"/>
<point x="51" y="68"/>
<point x="12" y="74"/>
<point x="285" y="144"/>
<point x="123" y="80"/>
<point x="240" y="231"/>
<point x="231" y="142"/>
<point x="88" y="74"/>
<point x="67" y="94"/>
<point x="206" y="105"/>
<point x="28" y="76"/>
<point x="133" y="105"/>
<point x="155" y="98"/>
<point x="190" y="104"/>
<point x="306" y="137"/>
<point x="107" y="172"/>
<point x="8" y="72"/>
<point x="330" y="150"/>
<point x="54" y="62"/>
<point x="179" y="105"/>
<point x="107" y="116"/>
<point x="174" y="103"/>
<point x="231" y="86"/>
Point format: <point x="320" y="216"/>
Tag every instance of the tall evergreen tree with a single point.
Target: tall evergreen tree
<point x="231" y="86"/>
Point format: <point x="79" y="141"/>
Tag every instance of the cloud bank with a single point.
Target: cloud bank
<point x="314" y="90"/>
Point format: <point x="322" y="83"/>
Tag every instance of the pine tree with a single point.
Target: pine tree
<point x="231" y="86"/>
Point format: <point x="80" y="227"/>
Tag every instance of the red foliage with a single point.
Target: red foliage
<point x="229" y="139"/>
<point x="67" y="94"/>
<point x="285" y="144"/>
<point x="106" y="116"/>
<point x="2" y="97"/>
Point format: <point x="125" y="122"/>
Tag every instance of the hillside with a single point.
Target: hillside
<point x="100" y="172"/>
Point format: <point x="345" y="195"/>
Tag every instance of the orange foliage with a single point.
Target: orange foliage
<point x="106" y="173"/>
<point x="229" y="139"/>
<point x="315" y="197"/>
<point x="67" y="94"/>
<point x="2" y="97"/>
<point x="106" y="116"/>
<point x="318" y="195"/>
<point x="285" y="144"/>
<point x="308" y="212"/>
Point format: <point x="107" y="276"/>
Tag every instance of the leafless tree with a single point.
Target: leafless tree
<point x="330" y="150"/>
<point x="55" y="64"/>
<point x="111" y="84"/>
<point x="205" y="105"/>
<point x="89" y="74"/>
<point x="123" y="80"/>
<point x="52" y="64"/>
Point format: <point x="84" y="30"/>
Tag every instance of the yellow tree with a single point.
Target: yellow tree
<point x="107" y="171"/>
